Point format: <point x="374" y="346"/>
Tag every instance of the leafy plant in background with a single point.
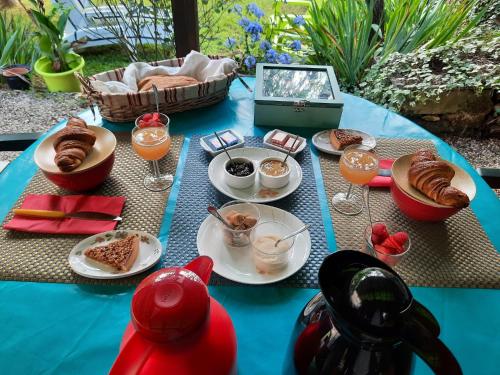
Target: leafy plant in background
<point x="139" y="26"/>
<point x="16" y="41"/>
<point x="210" y="15"/>
<point x="49" y="32"/>
<point x="342" y="34"/>
<point x="405" y="80"/>
<point x="263" y="39"/>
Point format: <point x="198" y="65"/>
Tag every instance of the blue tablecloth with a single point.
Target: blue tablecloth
<point x="65" y="329"/>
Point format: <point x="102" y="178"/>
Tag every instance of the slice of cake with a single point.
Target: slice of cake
<point x="340" y="139"/>
<point x="119" y="255"/>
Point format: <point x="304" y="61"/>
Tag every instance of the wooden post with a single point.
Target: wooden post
<point x="186" y="28"/>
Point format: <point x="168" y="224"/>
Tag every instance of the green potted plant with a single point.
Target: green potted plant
<point x="58" y="63"/>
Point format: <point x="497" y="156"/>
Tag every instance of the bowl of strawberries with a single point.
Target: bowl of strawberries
<point x="389" y="248"/>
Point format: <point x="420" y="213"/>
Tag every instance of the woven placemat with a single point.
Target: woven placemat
<point x="44" y="258"/>
<point x="196" y="193"/>
<point x="453" y="253"/>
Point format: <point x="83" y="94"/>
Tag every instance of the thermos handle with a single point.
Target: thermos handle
<point x="427" y="346"/>
<point x="133" y="355"/>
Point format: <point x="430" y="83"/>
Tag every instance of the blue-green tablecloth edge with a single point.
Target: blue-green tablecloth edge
<point x="66" y="328"/>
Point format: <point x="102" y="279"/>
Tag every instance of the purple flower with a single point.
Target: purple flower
<point x="265" y="45"/>
<point x="253" y="28"/>
<point x="296" y="45"/>
<point x="255" y="37"/>
<point x="255" y="10"/>
<point x="285" y="58"/>
<point x="271" y="55"/>
<point x="250" y="61"/>
<point x="230" y="42"/>
<point x="244" y="22"/>
<point x="238" y="8"/>
<point x="299" y="21"/>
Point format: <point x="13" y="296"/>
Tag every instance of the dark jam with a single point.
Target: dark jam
<point x="240" y="168"/>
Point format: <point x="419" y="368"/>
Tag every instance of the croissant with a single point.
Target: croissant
<point x="433" y="177"/>
<point x="73" y="144"/>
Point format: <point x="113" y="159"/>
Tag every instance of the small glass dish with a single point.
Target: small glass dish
<point x="238" y="237"/>
<point x="267" y="257"/>
<point x="391" y="259"/>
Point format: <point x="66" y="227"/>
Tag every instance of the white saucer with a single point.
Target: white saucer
<point x="321" y="141"/>
<point x="237" y="264"/>
<point x="251" y="194"/>
<point x="149" y="255"/>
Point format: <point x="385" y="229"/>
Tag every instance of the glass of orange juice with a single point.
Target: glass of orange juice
<point x="358" y="165"/>
<point x="151" y="141"/>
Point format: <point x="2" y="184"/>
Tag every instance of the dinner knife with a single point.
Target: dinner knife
<point x="83" y="215"/>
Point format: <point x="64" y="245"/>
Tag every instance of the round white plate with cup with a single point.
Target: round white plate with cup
<point x="149" y="254"/>
<point x="256" y="192"/>
<point x="237" y="263"/>
<point x="321" y="141"/>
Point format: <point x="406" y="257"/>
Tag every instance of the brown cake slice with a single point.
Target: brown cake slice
<point x="119" y="255"/>
<point x="340" y="139"/>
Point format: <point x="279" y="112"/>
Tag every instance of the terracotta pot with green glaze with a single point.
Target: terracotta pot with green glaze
<point x="63" y="81"/>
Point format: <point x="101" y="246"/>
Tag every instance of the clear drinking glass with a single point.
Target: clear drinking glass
<point x="391" y="259"/>
<point x="152" y="142"/>
<point x="267" y="257"/>
<point x="358" y="165"/>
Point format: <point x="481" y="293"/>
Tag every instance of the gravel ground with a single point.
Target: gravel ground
<point x="26" y="112"/>
<point x="38" y="111"/>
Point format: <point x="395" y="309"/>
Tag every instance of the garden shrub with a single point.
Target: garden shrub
<point x="407" y="80"/>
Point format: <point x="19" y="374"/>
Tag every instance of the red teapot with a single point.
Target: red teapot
<point x="176" y="327"/>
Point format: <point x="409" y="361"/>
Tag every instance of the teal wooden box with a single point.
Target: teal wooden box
<point x="297" y="96"/>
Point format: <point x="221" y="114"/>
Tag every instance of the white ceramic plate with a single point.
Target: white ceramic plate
<point x="268" y="144"/>
<point x="321" y="141"/>
<point x="149" y="255"/>
<point x="237" y="264"/>
<point x="251" y="194"/>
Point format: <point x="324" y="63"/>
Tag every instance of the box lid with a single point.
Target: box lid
<point x="297" y="85"/>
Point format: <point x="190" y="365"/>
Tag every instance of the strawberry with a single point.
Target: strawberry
<point x="376" y="239"/>
<point x="156" y="116"/>
<point x="381" y="249"/>
<point x="400" y="237"/>
<point x="380" y="230"/>
<point x="142" y="124"/>
<point x="147" y="117"/>
<point x="392" y="245"/>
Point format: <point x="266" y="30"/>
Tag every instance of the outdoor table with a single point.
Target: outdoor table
<point x="66" y="328"/>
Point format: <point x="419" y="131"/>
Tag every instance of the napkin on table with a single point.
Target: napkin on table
<point x="68" y="204"/>
<point x="384" y="178"/>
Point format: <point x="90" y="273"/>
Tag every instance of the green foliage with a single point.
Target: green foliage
<point x="342" y="34"/>
<point x="16" y="41"/>
<point x="404" y="80"/>
<point x="50" y="33"/>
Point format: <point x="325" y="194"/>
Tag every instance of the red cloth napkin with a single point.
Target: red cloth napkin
<point x="68" y="203"/>
<point x="382" y="181"/>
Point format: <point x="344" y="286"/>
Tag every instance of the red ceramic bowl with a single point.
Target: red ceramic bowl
<point x="417" y="210"/>
<point x="91" y="173"/>
<point x="416" y="205"/>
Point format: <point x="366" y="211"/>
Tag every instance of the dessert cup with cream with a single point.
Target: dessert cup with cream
<point x="273" y="173"/>
<point x="267" y="257"/>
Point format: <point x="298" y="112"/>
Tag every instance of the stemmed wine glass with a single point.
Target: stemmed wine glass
<point x="151" y="141"/>
<point x="358" y="165"/>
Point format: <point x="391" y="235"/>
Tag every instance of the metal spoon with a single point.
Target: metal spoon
<point x="293" y="234"/>
<point x="223" y="146"/>
<point x="157" y="100"/>
<point x="214" y="212"/>
<point x="290" y="150"/>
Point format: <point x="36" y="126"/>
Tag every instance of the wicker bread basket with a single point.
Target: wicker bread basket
<point x="127" y="107"/>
